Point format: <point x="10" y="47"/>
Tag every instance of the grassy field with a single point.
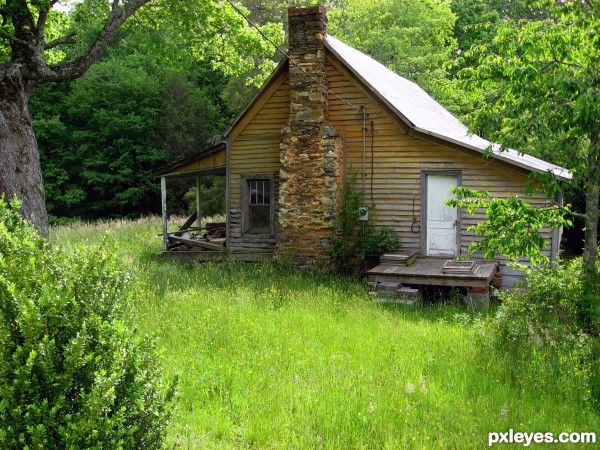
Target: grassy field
<point x="270" y="358"/>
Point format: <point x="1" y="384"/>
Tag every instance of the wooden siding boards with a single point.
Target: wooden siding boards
<point x="254" y="150"/>
<point x="396" y="158"/>
<point x="215" y="161"/>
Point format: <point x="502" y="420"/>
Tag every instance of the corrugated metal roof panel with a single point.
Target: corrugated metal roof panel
<point x="421" y="112"/>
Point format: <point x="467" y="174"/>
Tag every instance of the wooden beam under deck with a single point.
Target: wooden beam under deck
<point x="429" y="272"/>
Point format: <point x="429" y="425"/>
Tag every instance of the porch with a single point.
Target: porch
<point x="432" y="272"/>
<point x="202" y="240"/>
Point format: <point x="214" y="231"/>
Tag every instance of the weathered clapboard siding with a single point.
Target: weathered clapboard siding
<point x="255" y="151"/>
<point x="395" y="161"/>
<point x="216" y="160"/>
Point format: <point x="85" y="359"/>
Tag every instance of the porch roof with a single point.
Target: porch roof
<point x="210" y="161"/>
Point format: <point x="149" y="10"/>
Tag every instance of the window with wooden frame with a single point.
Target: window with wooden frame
<point x="258" y="204"/>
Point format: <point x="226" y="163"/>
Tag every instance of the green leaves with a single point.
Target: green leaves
<point x="514" y="226"/>
<point x="74" y="375"/>
<point x="542" y="73"/>
<point x="539" y="91"/>
<point x="370" y="241"/>
<point x="412" y="38"/>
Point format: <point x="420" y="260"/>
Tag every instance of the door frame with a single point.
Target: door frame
<point x="424" y="174"/>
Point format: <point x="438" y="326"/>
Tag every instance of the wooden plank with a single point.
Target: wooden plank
<point x="188" y="223"/>
<point x="228" y="194"/>
<point x="194" y="243"/>
<point x="279" y="82"/>
<point x="430" y="281"/>
<point x="198" y="212"/>
<point x="191" y="255"/>
<point x="335" y="67"/>
<point x="429" y="272"/>
<point x="212" y="161"/>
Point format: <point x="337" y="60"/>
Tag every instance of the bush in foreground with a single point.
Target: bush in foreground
<point x="539" y="329"/>
<point x="73" y="374"/>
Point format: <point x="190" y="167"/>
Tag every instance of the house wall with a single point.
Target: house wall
<point x="254" y="150"/>
<point x="395" y="161"/>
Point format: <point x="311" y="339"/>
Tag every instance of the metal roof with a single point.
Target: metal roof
<point x="422" y="113"/>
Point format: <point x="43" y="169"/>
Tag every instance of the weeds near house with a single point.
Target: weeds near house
<point x="273" y="358"/>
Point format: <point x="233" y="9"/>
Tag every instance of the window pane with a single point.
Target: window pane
<point x="259" y="219"/>
<point x="259" y="206"/>
<point x="260" y="192"/>
<point x="252" y="192"/>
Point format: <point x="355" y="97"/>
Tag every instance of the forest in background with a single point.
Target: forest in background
<point x="175" y="77"/>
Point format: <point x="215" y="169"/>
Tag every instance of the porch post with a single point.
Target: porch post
<point x="198" y="212"/>
<point x="163" y="198"/>
<point x="556" y="232"/>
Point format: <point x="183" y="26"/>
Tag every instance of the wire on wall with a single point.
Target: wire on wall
<point x="372" y="159"/>
<point x="362" y="116"/>
<point x="415" y="226"/>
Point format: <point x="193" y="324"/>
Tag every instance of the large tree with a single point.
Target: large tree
<point x="26" y="63"/>
<point x="539" y="88"/>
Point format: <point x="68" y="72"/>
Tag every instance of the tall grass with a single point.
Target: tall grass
<point x="273" y="358"/>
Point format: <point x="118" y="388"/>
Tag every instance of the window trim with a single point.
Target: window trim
<point x="245" y="203"/>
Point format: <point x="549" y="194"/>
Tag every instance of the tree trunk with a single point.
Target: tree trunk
<point x="20" y="172"/>
<point x="592" y="195"/>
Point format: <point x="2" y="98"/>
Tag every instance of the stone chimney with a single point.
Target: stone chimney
<point x="310" y="152"/>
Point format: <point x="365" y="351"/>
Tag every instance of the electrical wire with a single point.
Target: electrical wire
<point x="372" y="159"/>
<point x="266" y="38"/>
<point x="415" y="226"/>
<point x="363" y="118"/>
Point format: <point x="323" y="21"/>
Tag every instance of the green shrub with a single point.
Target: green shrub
<point x="346" y="222"/>
<point x="74" y="375"/>
<point x="375" y="241"/>
<point x="538" y="329"/>
<point x="349" y="239"/>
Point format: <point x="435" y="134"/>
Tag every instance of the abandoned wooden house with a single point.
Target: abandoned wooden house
<point x="330" y="111"/>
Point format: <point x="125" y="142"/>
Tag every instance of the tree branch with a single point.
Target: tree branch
<point x="16" y="40"/>
<point x="41" y="22"/>
<point x="68" y="70"/>
<point x="553" y="204"/>
<point x="68" y="39"/>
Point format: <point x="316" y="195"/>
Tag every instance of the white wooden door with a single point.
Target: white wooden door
<point x="442" y="220"/>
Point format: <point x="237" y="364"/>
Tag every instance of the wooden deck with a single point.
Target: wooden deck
<point x="429" y="272"/>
